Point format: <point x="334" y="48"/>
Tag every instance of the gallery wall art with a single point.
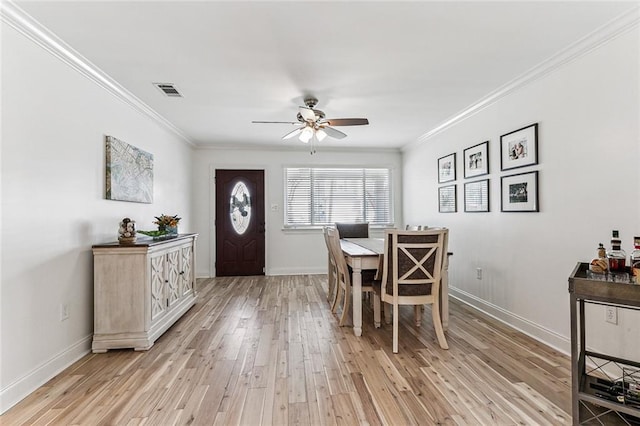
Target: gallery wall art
<point x="476" y="196"/>
<point x="520" y="192"/>
<point x="519" y="148"/>
<point x="476" y="160"/>
<point x="447" y="168"/>
<point x="447" y="199"/>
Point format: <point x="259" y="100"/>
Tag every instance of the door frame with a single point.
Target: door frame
<point x="212" y="211"/>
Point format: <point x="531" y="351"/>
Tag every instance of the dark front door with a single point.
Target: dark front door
<point x="239" y="222"/>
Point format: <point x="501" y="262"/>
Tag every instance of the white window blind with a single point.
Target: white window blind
<point x="323" y="196"/>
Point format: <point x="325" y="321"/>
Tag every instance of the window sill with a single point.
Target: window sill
<point x="316" y="229"/>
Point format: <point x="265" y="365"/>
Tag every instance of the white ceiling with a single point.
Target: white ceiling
<point x="406" y="66"/>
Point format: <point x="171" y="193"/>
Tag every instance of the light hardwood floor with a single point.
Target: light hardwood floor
<point x="267" y="350"/>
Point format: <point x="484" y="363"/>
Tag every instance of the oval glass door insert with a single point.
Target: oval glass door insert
<point x="240" y="210"/>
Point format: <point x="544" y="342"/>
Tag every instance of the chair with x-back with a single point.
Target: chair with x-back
<point x="412" y="267"/>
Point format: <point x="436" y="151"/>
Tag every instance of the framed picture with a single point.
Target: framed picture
<point x="129" y="172"/>
<point x="476" y="160"/>
<point x="476" y="196"/>
<point x="520" y="192"/>
<point x="447" y="200"/>
<point x="519" y="148"/>
<point x="447" y="168"/>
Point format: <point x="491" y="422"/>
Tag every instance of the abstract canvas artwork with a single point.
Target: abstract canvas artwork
<point x="129" y="174"/>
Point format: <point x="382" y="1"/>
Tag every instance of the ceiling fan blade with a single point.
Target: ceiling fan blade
<point x="276" y="122"/>
<point x="308" y="114"/>
<point x="334" y="133"/>
<point x="347" y="121"/>
<point x="294" y="133"/>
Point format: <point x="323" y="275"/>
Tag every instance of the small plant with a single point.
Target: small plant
<point x="167" y="227"/>
<point x="163" y="221"/>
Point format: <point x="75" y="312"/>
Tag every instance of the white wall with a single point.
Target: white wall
<point x="291" y="251"/>
<point x="589" y="178"/>
<point x="54" y="122"/>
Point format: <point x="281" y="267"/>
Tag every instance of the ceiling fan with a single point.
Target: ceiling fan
<point x="314" y="126"/>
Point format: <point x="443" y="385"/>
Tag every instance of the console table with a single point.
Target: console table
<point x="140" y="290"/>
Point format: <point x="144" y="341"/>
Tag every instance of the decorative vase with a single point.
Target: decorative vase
<point x="127" y="231"/>
<point x="172" y="230"/>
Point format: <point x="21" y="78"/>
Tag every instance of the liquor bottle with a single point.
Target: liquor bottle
<point x="602" y="252"/>
<point x="619" y="391"/>
<point x="616" y="256"/>
<point x="600" y="265"/>
<point x="635" y="260"/>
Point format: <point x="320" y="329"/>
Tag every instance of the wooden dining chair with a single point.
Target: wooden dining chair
<point x="412" y="268"/>
<point x="353" y="230"/>
<point x="444" y="274"/>
<point x="343" y="277"/>
<point x="332" y="272"/>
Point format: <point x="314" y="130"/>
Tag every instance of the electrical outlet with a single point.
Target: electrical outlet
<point x="611" y="314"/>
<point x="479" y="273"/>
<point x="64" y="311"/>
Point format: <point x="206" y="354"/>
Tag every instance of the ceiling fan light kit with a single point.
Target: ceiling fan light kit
<point x="315" y="127"/>
<point x="306" y="134"/>
<point x="321" y="134"/>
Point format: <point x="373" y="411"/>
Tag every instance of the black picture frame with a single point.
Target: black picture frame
<point x="447" y="199"/>
<point x="519" y="148"/>
<point x="476" y="196"/>
<point x="476" y="160"/>
<point x="447" y="168"/>
<point x="520" y="192"/>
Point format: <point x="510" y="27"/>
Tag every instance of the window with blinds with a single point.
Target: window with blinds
<point x="323" y="196"/>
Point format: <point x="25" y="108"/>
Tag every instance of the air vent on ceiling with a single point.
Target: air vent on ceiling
<point x="168" y="89"/>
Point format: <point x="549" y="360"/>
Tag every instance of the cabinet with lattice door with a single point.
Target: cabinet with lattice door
<point x="140" y="290"/>
<point x="171" y="279"/>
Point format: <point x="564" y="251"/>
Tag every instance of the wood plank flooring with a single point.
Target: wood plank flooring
<point x="267" y="350"/>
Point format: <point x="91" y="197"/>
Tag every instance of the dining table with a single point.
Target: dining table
<point x="365" y="253"/>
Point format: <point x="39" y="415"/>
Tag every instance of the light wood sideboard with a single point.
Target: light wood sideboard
<point x="140" y="290"/>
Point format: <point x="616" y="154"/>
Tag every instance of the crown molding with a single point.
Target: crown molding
<point x="18" y="19"/>
<point x="607" y="32"/>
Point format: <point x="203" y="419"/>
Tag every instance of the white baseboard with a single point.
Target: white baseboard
<point x="14" y="392"/>
<point x="283" y="271"/>
<point x="297" y="271"/>
<point x="531" y="329"/>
